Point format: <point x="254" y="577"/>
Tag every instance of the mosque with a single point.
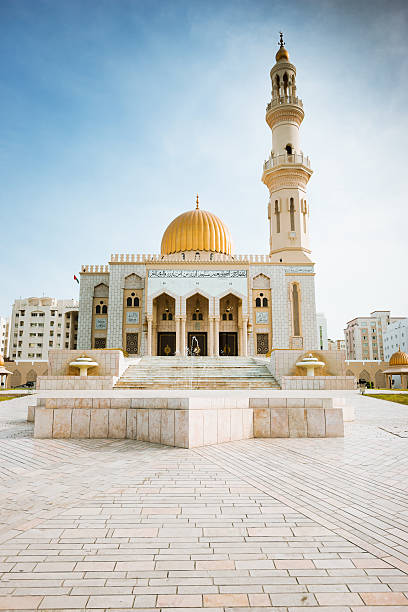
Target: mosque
<point x="200" y="298"/>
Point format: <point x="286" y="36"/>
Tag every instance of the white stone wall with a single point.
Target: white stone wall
<point x="86" y="291"/>
<point x="118" y="272"/>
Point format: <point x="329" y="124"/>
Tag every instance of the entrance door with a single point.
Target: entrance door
<point x="166" y="344"/>
<point x="229" y="344"/>
<point x="131" y="344"/>
<point x="197" y="343"/>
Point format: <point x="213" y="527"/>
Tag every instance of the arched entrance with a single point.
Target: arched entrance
<point x="230" y="314"/>
<point x="197" y="325"/>
<point x="164" y="325"/>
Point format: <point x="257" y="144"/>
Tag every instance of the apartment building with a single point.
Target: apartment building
<point x="336" y="345"/>
<point x="38" y="324"/>
<point x="395" y="338"/>
<point x="365" y="335"/>
<point x="4" y="336"/>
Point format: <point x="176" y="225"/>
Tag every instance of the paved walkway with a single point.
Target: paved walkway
<point x="282" y="525"/>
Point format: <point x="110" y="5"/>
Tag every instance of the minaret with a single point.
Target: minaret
<point x="287" y="171"/>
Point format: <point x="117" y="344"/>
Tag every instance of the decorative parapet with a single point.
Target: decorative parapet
<point x="287" y="160"/>
<point x="95" y="269"/>
<point x="276" y="102"/>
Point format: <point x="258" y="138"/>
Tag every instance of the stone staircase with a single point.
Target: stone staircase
<point x="197" y="373"/>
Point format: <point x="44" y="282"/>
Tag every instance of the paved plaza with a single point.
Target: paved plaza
<point x="284" y="525"/>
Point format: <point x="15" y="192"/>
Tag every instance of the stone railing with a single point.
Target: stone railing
<point x="284" y="100"/>
<point x="95" y="269"/>
<point x="285" y="159"/>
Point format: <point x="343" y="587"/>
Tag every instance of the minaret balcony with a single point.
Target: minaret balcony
<point x="282" y="100"/>
<point x="287" y="160"/>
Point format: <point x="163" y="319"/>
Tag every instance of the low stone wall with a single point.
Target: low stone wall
<point x="75" y="383"/>
<point x="297" y="418"/>
<point x="187" y="422"/>
<point x="318" y="383"/>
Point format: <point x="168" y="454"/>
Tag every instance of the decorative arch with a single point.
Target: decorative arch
<point x="101" y="290"/>
<point x="380" y="380"/>
<point x="236" y="294"/>
<point x="157" y="294"/>
<point x="15" y="379"/>
<point x="204" y="294"/>
<point x="261" y="281"/>
<point x="31" y="376"/>
<point x="364" y="376"/>
<point x="133" y="281"/>
<point x="350" y="373"/>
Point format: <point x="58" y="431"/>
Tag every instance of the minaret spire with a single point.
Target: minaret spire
<point x="197" y="203"/>
<point x="282" y="44"/>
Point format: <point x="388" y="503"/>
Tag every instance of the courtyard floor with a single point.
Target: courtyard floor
<point x="288" y="525"/>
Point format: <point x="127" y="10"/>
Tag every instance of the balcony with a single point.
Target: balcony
<point x="285" y="159"/>
<point x="275" y="102"/>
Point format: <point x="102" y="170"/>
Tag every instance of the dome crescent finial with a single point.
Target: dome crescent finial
<point x="197" y="203"/>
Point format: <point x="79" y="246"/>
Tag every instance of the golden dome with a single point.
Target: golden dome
<point x="399" y="358"/>
<point x="1" y="360"/>
<point x="282" y="54"/>
<point x="196" y="230"/>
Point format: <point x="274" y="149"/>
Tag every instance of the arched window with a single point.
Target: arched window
<point x="170" y="316"/>
<point x="230" y="316"/>
<point x="265" y="302"/>
<point x="258" y="302"/>
<point x="129" y="301"/>
<point x="289" y="150"/>
<point x="183" y="256"/>
<point x="295" y="309"/>
<point x="292" y="215"/>
<point x="164" y="316"/>
<point x="98" y="309"/>
<point x="200" y="316"/>
<point x="224" y="316"/>
<point x="104" y="309"/>
<point x="277" y="214"/>
<point x="136" y="301"/>
<point x="194" y="316"/>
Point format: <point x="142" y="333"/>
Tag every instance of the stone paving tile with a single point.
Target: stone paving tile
<point x="259" y="524"/>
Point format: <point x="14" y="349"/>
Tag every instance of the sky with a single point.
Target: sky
<point x="115" y="113"/>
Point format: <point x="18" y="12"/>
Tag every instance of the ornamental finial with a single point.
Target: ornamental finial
<point x="197" y="203"/>
<point x="282" y="44"/>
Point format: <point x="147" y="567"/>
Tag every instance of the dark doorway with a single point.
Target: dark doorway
<point x="229" y="344"/>
<point x="197" y="347"/>
<point x="166" y="344"/>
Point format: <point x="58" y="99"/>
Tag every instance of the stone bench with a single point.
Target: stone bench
<point x="187" y="422"/>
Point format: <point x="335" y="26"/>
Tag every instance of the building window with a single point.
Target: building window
<point x="230" y="316"/>
<point x="265" y="302"/>
<point x="136" y="302"/>
<point x="200" y="316"/>
<point x="277" y="215"/>
<point x="224" y="316"/>
<point x="295" y="310"/>
<point x="164" y="316"/>
<point x="258" y="302"/>
<point x="104" y="309"/>
<point x="292" y="215"/>
<point x="98" y="309"/>
<point x="129" y="301"/>
<point x="170" y="316"/>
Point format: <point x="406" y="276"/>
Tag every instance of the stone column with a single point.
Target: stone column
<point x="183" y="336"/>
<point x="178" y="335"/>
<point x="245" y="337"/>
<point x="149" y="335"/>
<point x="211" y="336"/>
<point x="240" y="341"/>
<point x="217" y="336"/>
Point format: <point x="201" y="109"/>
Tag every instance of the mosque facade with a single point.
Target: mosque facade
<point x="197" y="297"/>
